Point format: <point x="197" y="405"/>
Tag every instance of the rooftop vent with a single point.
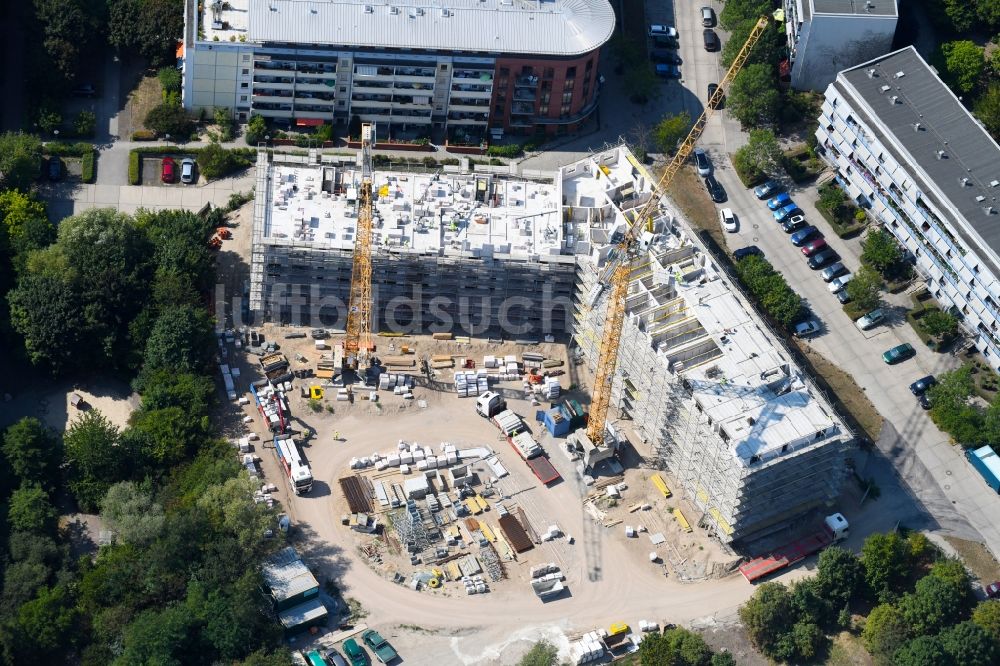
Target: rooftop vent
<point x="420" y="11"/>
<point x="871" y="73"/>
<point x="916" y="127"/>
<point x="885" y="89"/>
<point x="965" y="182"/>
<point x="988" y="210"/>
<point x="445" y="12"/>
<point x="980" y="198"/>
<point x="994" y="183"/>
<point x="272" y="8"/>
<point x="393" y="10"/>
<point x="898" y="75"/>
<point x="893" y="99"/>
<point x="369" y="9"/>
<point x="940" y="154"/>
<point x="869" y="5"/>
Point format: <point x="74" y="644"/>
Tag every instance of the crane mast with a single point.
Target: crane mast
<point x="618" y="277"/>
<point x="358" y="344"/>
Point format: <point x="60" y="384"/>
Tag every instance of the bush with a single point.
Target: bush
<point x="134" y="168"/>
<point x="143" y="135"/>
<point x="88" y="165"/>
<point x="85" y="123"/>
<point x="256" y="130"/>
<point x="170" y="79"/>
<point x="509" y="150"/>
<point x="215" y="162"/>
<point x="324" y="133"/>
<point x="68" y="149"/>
<point x="168" y="119"/>
<point x="770" y="289"/>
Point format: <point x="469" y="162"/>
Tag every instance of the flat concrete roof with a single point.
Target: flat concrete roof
<point x="549" y="27"/>
<point x="855" y="7"/>
<point x="970" y="164"/>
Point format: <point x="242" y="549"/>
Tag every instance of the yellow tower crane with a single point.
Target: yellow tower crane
<point x="619" y="270"/>
<point x="358" y="343"/>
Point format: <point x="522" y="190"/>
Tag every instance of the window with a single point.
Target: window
<point x="549" y="73"/>
<point x="563" y="110"/>
<point x="444" y="67"/>
<point x="567" y="97"/>
<point x="245" y="72"/>
<point x="498" y="108"/>
<point x="546" y="98"/>
<point x="569" y="84"/>
<point x="244" y="85"/>
<point x="590" y="65"/>
<point x="243" y="98"/>
<point x="343" y="89"/>
<point x="543" y="110"/>
<point x="571" y="73"/>
<point x="246" y="57"/>
<point x="504" y="71"/>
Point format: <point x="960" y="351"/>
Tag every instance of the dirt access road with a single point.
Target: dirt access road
<point x="435" y="629"/>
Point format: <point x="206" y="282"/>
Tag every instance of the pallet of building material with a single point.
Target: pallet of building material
<point x="515" y="534"/>
<point x="442" y="365"/>
<point x="552" y="363"/>
<point x="487" y="532"/>
<point x="523" y="518"/>
<point x="441" y="358"/>
<point x="401" y="361"/>
<point x="471" y="524"/>
<point x="442" y="336"/>
<point x="682" y="521"/>
<point x="356" y="494"/>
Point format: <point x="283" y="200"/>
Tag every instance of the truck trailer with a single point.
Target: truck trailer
<point x="543" y="469"/>
<point x="834" y="529"/>
<point x="987" y="463"/>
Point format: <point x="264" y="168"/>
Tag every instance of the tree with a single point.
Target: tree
<point x="223" y="118"/>
<point x="831" y="197"/>
<point x="753" y="97"/>
<point x="950" y="407"/>
<point x="22" y="580"/>
<point x="20" y="160"/>
<point x="921" y="651"/>
<point x="989" y="12"/>
<point x="159" y="636"/>
<point x="45" y="627"/>
<point x="49" y="120"/>
<point x="735" y="12"/>
<point x="182" y="340"/>
<point x="959" y="14"/>
<point x="802" y="643"/>
<point x="880" y="250"/>
<point x="46" y="311"/>
<point x="840" y="575"/>
<point x="885" y="630"/>
<point x="169" y="119"/>
<point x="936" y="603"/>
<point x="885" y="558"/>
<point x="31" y="510"/>
<point x="257" y="130"/>
<point x="767" y="616"/>
<point x="280" y="657"/>
<point x="809" y="603"/>
<point x="939" y="322"/>
<point x="69" y="28"/>
<point x="677" y="647"/>
<point x="961" y="64"/>
<point x="761" y="155"/>
<point x="170" y="78"/>
<point x="93" y="459"/>
<point x="214" y="161"/>
<point x="85" y="123"/>
<point x="768" y="50"/>
<point x="986" y="615"/>
<point x="968" y="644"/>
<point x="32" y="452"/>
<point x="641" y="84"/>
<point x="669" y="132"/>
<point x="723" y="659"/>
<point x="129" y="510"/>
<point x="147" y="27"/>
<point x="865" y="288"/>
<point x="541" y="653"/>
<point x="987" y="109"/>
<point x="26" y="224"/>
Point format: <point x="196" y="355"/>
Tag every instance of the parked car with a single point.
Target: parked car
<point x="899" y="353"/>
<point x="993" y="590"/>
<point x="767" y="189"/>
<point x="843" y="297"/>
<point x="806" y="328"/>
<point x="711" y="40"/>
<point x="334" y="658"/>
<point x="168" y="170"/>
<point x="657" y="30"/>
<point x="355" y="653"/>
<point x="84" y="90"/>
<point x="920" y="386"/>
<point x="813" y="246"/>
<point x="667" y="56"/>
<point x="783" y="214"/>
<point x="712" y="87"/>
<point x="708" y="17"/>
<point x="715" y="190"/>
<point x="802" y="236"/>
<point x="662" y="42"/>
<point x="701" y="159"/>
<point x="793" y="224"/>
<point x="380" y="646"/>
<point x="748" y="251"/>
<point x="779" y="201"/>
<point x="832" y="271"/>
<point x="871" y="320"/>
<point x="822" y="258"/>
<point x="728" y="220"/>
<point x="55" y="169"/>
<point x="839" y="283"/>
<point x="187" y="170"/>
<point x="668" y="71"/>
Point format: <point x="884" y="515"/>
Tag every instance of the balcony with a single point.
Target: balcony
<point x="527" y="81"/>
<point x="314" y="98"/>
<point x="468" y="106"/>
<point x="522" y="109"/>
<point x="372" y="103"/>
<point x="315" y="87"/>
<point x="417" y="87"/>
<point x="273" y="80"/>
<point x="320" y="69"/>
<point x="482" y="75"/>
<point x="525" y="95"/>
<point x="274" y="65"/>
<point x="371" y="87"/>
<point x="471" y="91"/>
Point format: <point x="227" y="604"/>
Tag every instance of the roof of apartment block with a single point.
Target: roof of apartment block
<point x="942" y="144"/>
<point x="537" y="27"/>
<point x="855" y="7"/>
<point x="752" y="391"/>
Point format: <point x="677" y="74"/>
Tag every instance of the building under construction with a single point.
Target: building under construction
<point x="700" y="377"/>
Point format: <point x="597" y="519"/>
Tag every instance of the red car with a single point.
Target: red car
<point x="993" y="590"/>
<point x="812" y="247"/>
<point x="168" y="172"/>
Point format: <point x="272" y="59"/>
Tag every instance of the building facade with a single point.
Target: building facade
<point x="905" y="148"/>
<point x="472" y="69"/>
<point x="826" y="36"/>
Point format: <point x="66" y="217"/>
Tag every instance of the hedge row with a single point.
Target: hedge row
<point x="134" y="168"/>
<point x="68" y="149"/>
<point x="770" y="289"/>
<point x="88" y="165"/>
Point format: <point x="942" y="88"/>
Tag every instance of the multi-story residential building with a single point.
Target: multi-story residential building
<point x="826" y="36"/>
<point x="464" y="66"/>
<point x="908" y="150"/>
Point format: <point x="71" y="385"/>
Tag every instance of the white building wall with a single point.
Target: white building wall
<point x="955" y="272"/>
<point x="826" y="44"/>
<point x="213" y="72"/>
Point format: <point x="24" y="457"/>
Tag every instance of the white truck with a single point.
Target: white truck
<point x="489" y="404"/>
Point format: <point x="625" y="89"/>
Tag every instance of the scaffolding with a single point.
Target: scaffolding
<point x="409" y="523"/>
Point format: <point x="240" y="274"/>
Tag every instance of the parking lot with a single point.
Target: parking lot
<point x="152" y="171"/>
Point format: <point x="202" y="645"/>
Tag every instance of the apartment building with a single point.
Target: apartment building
<point x="471" y="68"/>
<point x="907" y="149"/>
<point x="826" y="36"/>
